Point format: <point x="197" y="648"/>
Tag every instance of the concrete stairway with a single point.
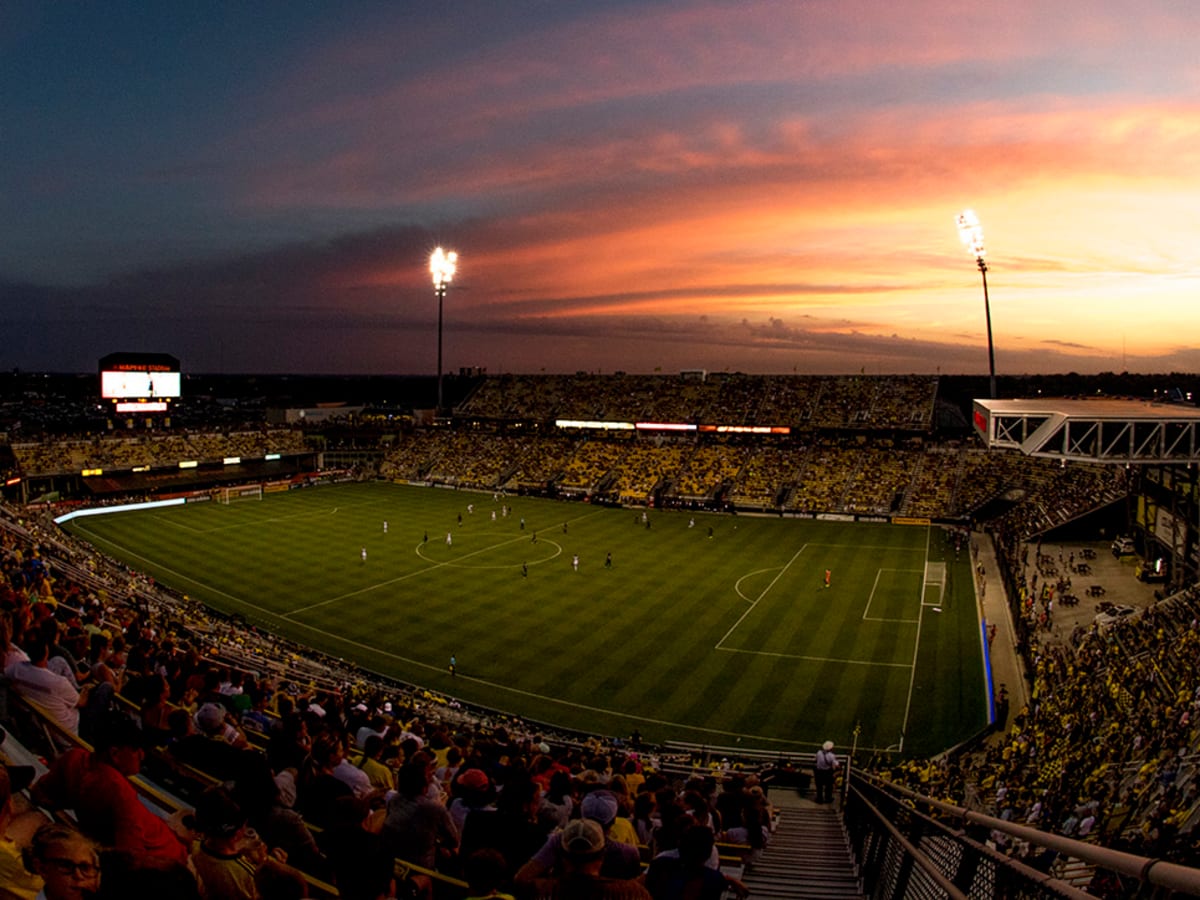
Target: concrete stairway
<point x="808" y="856"/>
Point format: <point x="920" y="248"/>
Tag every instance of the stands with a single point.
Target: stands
<point x="1106" y="751"/>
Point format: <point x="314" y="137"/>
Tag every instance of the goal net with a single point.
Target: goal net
<point x="242" y="492"/>
<point x="935" y="583"/>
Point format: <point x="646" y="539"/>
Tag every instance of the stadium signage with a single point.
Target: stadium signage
<point x="140" y="406"/>
<point x="747" y="429"/>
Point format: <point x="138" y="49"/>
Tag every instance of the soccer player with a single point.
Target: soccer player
<point x="385" y="526"/>
<point x="524" y="570"/>
<point x="453" y="665"/>
<point x="449" y="539"/>
<point x="364" y="554"/>
<point x="828" y="576"/>
<point x="575" y="562"/>
<point x="564" y="527"/>
<point x="608" y="560"/>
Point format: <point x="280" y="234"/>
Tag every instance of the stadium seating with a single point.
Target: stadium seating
<point x="1107" y="750"/>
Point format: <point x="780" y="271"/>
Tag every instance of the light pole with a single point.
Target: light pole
<point x="441" y="266"/>
<point x="971" y="233"/>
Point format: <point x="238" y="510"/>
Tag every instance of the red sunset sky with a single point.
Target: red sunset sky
<point x="754" y="186"/>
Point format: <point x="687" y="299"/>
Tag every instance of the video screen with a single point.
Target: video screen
<point x="132" y="385"/>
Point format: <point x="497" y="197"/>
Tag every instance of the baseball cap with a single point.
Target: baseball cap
<point x="217" y="813"/>
<point x="474" y="779"/>
<point x="210" y="718"/>
<point x="600" y="806"/>
<point x="582" y="837"/>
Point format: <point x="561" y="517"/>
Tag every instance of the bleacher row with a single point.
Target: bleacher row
<point x="346" y="775"/>
<point x="59" y="456"/>
<point x="903" y="402"/>
<point x="827" y="476"/>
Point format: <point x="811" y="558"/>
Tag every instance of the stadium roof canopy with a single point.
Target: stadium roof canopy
<point x="1099" y="430"/>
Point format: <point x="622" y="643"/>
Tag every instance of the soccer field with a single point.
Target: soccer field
<point x="719" y="632"/>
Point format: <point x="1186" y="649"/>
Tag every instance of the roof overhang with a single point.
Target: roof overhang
<point x="1100" y="430"/>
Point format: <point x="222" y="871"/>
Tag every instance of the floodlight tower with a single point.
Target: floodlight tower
<point x="971" y="233"/>
<point x="441" y="266"/>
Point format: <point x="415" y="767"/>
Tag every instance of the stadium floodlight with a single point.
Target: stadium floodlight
<point x="442" y="266"/>
<point x="971" y="233"/>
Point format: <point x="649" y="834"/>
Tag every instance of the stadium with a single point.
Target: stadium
<point x="663" y="587"/>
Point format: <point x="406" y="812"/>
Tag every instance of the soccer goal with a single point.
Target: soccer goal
<point x="935" y="584"/>
<point x="241" y="492"/>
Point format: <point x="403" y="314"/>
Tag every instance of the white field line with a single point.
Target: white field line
<point x="912" y="680"/>
<point x="878" y="575"/>
<point x="762" y="594"/>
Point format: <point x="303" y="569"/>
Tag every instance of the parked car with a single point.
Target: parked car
<point x="1123" y="546"/>
<point x="1111" y="613"/>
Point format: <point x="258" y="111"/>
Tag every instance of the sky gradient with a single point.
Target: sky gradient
<point x="745" y="186"/>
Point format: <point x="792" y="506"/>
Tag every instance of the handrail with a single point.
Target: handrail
<point x="927" y="865"/>
<point x="1033" y="875"/>
<point x="1157" y="872"/>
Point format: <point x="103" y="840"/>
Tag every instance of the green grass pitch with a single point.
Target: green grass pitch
<point x="725" y="639"/>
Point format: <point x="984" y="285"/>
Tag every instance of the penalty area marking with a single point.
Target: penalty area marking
<point x="820" y="659"/>
<point x="930" y="569"/>
<point x="870" y="598"/>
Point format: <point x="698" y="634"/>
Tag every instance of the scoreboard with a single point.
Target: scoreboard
<point x="139" y="382"/>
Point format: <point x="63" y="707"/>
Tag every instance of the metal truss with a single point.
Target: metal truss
<point x="1111" y="431"/>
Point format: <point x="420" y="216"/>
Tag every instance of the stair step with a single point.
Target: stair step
<point x="807" y="858"/>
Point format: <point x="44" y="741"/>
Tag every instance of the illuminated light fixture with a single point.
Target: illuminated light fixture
<point x="597" y="425"/>
<point x="664" y="426"/>
<point x="971" y="234"/>
<point x="442" y="266"/>
<point x="271" y="456"/>
<point x="12" y="481"/>
<point x="88" y="473"/>
<point x="232" y="460"/>
<point x="140" y="469"/>
<point x="188" y="464"/>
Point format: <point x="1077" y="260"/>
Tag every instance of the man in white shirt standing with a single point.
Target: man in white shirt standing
<point x="826" y="765"/>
